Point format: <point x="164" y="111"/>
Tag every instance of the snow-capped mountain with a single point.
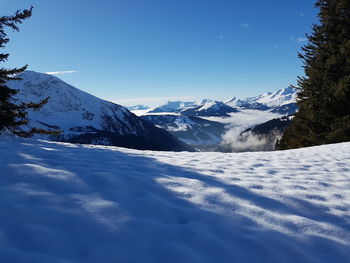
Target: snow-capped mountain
<point x="286" y="109"/>
<point x="84" y="118"/>
<point x="242" y="104"/>
<point x="210" y="109"/>
<point x="281" y="97"/>
<point x="174" y="106"/>
<point x="204" y="101"/>
<point x="236" y="102"/>
<point x="189" y="129"/>
<point x="269" y="101"/>
<point x="138" y="107"/>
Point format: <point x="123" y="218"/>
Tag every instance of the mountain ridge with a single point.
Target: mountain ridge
<point x="268" y="101"/>
<point x="84" y="118"/>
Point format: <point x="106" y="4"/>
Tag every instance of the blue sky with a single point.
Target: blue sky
<point x="151" y="51"/>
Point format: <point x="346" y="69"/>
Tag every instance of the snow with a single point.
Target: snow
<point x="183" y="123"/>
<point x="208" y="105"/>
<point x="138" y="107"/>
<point x="70" y="108"/>
<point x="173" y="106"/>
<point x="147" y="112"/>
<point x="139" y="112"/>
<point x="81" y="203"/>
<point x="281" y="97"/>
<point x="64" y="100"/>
<point x="213" y="106"/>
<point x="235" y="102"/>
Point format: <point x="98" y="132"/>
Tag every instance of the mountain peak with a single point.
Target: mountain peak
<point x="211" y="108"/>
<point x="138" y="107"/>
<point x="204" y="101"/>
<point x="174" y="106"/>
<point x="277" y="98"/>
<point x="84" y="118"/>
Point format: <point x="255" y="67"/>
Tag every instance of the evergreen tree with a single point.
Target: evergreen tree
<point x="12" y="114"/>
<point x="324" y="92"/>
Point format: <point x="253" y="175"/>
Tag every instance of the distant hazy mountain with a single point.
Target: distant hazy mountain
<point x="173" y="106"/>
<point x="209" y="109"/>
<point x="138" y="107"/>
<point x="84" y="118"/>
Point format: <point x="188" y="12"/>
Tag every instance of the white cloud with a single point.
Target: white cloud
<point x="60" y="72"/>
<point x="244" y="25"/>
<point x="299" y="39"/>
<point x="235" y="141"/>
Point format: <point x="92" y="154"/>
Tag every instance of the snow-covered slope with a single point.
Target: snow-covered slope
<point x="85" y="118"/>
<point x="204" y="101"/>
<point x="242" y="104"/>
<point x="138" y="107"/>
<point x="173" y="106"/>
<point x="236" y="102"/>
<point x="286" y="109"/>
<point x="72" y="203"/>
<point x="70" y="108"/>
<point x="190" y="129"/>
<point x="209" y="109"/>
<point x="281" y="97"/>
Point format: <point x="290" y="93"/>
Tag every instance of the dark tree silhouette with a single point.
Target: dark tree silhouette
<point x="13" y="114"/>
<point x="324" y="92"/>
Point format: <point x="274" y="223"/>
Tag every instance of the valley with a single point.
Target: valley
<point x="207" y="125"/>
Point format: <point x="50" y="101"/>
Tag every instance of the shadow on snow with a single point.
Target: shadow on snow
<point x="81" y="204"/>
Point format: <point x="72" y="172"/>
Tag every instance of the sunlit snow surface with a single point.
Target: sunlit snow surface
<point x="74" y="203"/>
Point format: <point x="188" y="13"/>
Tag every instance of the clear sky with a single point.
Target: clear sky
<point x="150" y="51"/>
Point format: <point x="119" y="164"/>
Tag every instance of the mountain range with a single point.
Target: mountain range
<point x="209" y="109"/>
<point x="205" y="125"/>
<point x="275" y="99"/>
<point x="84" y="118"/>
<point x="173" y="106"/>
<point x="282" y="102"/>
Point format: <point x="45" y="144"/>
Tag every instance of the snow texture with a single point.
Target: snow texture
<point x="81" y="203"/>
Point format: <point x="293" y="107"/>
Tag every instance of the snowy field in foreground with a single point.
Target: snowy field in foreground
<point x="74" y="203"/>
